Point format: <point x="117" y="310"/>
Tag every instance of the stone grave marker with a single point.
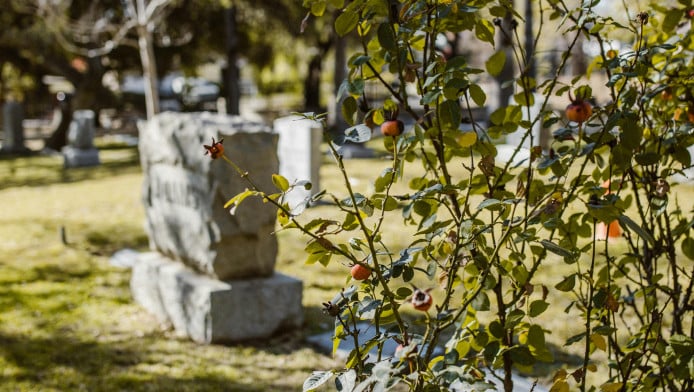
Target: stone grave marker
<point x="299" y="155"/>
<point x="13" y="140"/>
<point x="211" y="274"/>
<point x="80" y="150"/>
<point x="513" y="140"/>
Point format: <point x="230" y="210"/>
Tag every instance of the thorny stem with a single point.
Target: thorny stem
<point x="387" y="292"/>
<point x="355" y="336"/>
<point x="589" y="310"/>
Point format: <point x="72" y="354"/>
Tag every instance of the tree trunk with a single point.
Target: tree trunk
<point x="312" y="85"/>
<point x="231" y="76"/>
<point x="340" y="74"/>
<point x="149" y="67"/>
<point x="580" y="65"/>
<point x="506" y="76"/>
<point x="62" y="116"/>
<point x="529" y="39"/>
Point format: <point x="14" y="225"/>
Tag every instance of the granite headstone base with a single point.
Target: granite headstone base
<point x="213" y="311"/>
<point x="80" y="157"/>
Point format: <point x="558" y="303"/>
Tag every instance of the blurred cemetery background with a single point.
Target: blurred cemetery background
<point x="62" y="56"/>
<point x="76" y="79"/>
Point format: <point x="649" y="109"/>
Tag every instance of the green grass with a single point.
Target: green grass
<point x="67" y="321"/>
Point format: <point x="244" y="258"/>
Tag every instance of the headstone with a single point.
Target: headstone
<point x="299" y="155"/>
<point x="13" y="115"/>
<point x="80" y="150"/>
<point x="214" y="311"/>
<point x="211" y="274"/>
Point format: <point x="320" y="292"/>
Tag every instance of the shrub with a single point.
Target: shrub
<point x="484" y="227"/>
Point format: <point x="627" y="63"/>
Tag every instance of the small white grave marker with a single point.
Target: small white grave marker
<point x="299" y="155"/>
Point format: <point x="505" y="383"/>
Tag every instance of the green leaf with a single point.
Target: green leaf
<point x="521" y="355"/>
<point x="390" y="204"/>
<point x="349" y="110"/>
<point x="556" y="249"/>
<point x="280" y="182"/>
<point x="520" y="274"/>
<point x="647" y="158"/>
<point x="453" y="87"/>
<point x="575" y="339"/>
<point x="318" y="8"/>
<point x="431" y="96"/>
<point x="484" y="30"/>
<point x="477" y="94"/>
<point x="282" y="217"/>
<point x="524" y="99"/>
<point x="337" y="337"/>
<point x="316" y="379"/>
<point x="688" y="247"/>
<point x="536" y="338"/>
<point x="337" y="3"/>
<point x="496" y="63"/>
<point x="567" y="284"/>
<point x="632" y="133"/>
<point x="431" y="269"/>
<point x="368" y="308"/>
<point x="496" y="329"/>
<point x="235" y="201"/>
<point x="467" y="139"/>
<point x="386" y="37"/>
<point x="537" y="307"/>
<point x="346" y="382"/>
<point x="682" y="345"/>
<point x="621" y="156"/>
<point x="491" y="350"/>
<point x="355" y="87"/>
<point x="628" y="224"/>
<point x="537" y="345"/>
<point x="598" y="341"/>
<point x="346" y="22"/>
<point x="514" y="317"/>
<point x="481" y="302"/>
<point x="497" y="11"/>
<point x="384" y="179"/>
<point x="450" y="115"/>
<point x="403" y="292"/>
<point x="407" y="274"/>
<point x="490" y="204"/>
<point x="359" y="133"/>
<point x="672" y="19"/>
<point x="407" y="255"/>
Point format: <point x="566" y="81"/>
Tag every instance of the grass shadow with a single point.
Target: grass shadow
<point x="67" y="362"/>
<point x="42" y="170"/>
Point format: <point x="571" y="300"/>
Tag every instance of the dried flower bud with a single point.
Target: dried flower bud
<point x="422" y="300"/>
<point x="215" y="150"/>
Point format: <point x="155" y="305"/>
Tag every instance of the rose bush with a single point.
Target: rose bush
<point x="484" y="227"/>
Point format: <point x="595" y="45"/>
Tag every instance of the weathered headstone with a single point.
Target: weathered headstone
<point x="13" y="140"/>
<point x="299" y="154"/>
<point x="211" y="274"/>
<point x="80" y="150"/>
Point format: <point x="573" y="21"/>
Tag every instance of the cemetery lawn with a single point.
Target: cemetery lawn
<point x="67" y="320"/>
